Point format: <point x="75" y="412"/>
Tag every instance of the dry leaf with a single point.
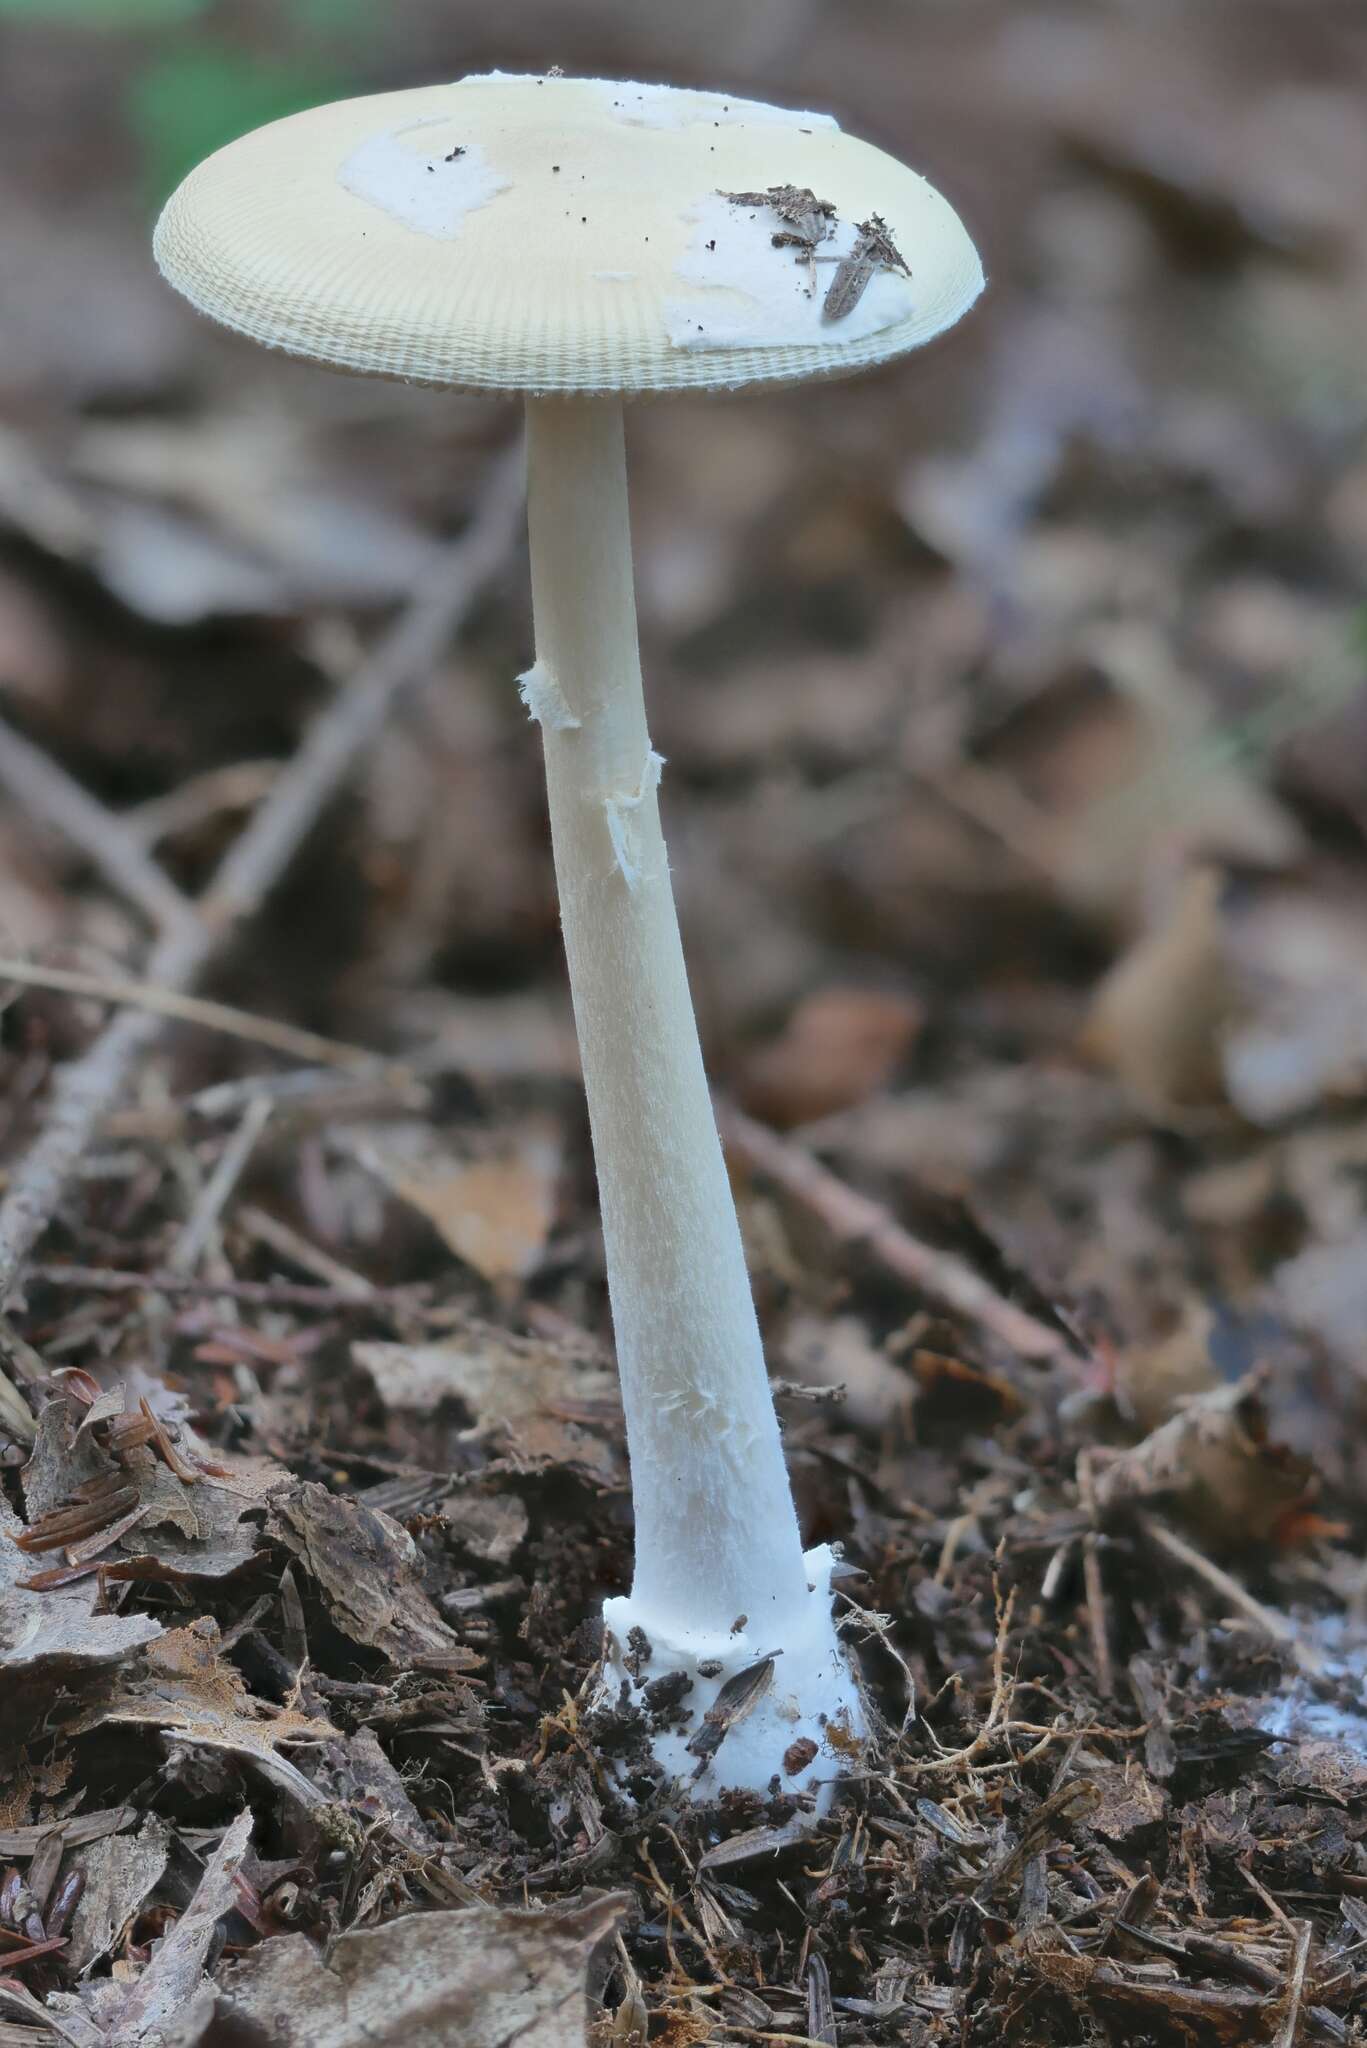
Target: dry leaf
<point x="365" y="1567"/>
<point x="547" y="1402"/>
<point x="48" y="1639"/>
<point x="120" y="1872"/>
<point x="494" y="1213"/>
<point x="186" y="1689"/>
<point x="1153" y="1379"/>
<point x="63" y="1457"/>
<point x="839" y="1351"/>
<point x="491" y="1526"/>
<point x="1215" y="1463"/>
<point x="172" y="1988"/>
<point x="1129" y="1804"/>
<point x="368" y="1783"/>
<point x="839" y="1046"/>
<point x="199" y="1531"/>
<point x="1158" y="1017"/>
<point x="1305" y="1042"/>
<point x="480" y="1977"/>
<point x="185" y="1528"/>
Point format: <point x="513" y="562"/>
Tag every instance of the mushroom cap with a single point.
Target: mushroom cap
<point x="549" y="234"/>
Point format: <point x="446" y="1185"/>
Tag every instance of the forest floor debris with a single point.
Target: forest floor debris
<point x="1015" y="713"/>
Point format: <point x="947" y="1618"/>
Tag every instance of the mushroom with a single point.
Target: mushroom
<point x="581" y="242"/>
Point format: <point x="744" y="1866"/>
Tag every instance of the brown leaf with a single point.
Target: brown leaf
<point x="494" y="1213"/>
<point x="540" y="1398"/>
<point x="1216" y="1462"/>
<point x="191" y="1528"/>
<point x="1158" y="1018"/>
<point x="839" y="1046"/>
<point x="186" y="1688"/>
<point x="1153" y="1378"/>
<point x="480" y="1976"/>
<point x="491" y="1526"/>
<point x="365" y="1567"/>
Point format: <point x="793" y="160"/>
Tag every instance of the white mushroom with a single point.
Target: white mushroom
<point x="581" y="241"/>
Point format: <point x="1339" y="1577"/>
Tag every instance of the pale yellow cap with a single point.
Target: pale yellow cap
<point x="560" y="235"/>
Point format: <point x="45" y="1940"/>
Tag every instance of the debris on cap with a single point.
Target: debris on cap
<point x="432" y="193"/>
<point x="545" y="234"/>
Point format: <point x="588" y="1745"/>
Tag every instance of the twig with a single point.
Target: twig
<point x="1295" y="1989"/>
<point x="997" y="1721"/>
<point x="258" y="1293"/>
<point x="232" y="1164"/>
<point x="1265" y="1618"/>
<point x="317" y="1092"/>
<point x="854" y="1219"/>
<point x="290" y="1244"/>
<point x="46" y="791"/>
<point x="289" y="1039"/>
<point x="1093" y="1583"/>
<point x="239" y="786"/>
<point x="85" y="1090"/>
<point x="1221" y="1959"/>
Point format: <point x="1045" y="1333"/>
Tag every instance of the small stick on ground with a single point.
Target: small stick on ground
<point x="232" y="1164"/>
<point x="855" y="1220"/>
<point x="1093" y="1583"/>
<point x="1240" y="1599"/>
<point x="210" y="1016"/>
<point x="45" y="790"/>
<point x="240" y="786"/>
<point x="1295" y="1988"/>
<point x="290" y="1244"/>
<point x="85" y="1090"/>
<point x="257" y="1293"/>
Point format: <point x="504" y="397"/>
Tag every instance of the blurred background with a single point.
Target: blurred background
<point x="1013" y="698"/>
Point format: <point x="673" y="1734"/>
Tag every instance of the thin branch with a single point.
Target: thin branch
<point x="1295" y="1988"/>
<point x="45" y="790"/>
<point x="1240" y="1599"/>
<point x="1094" y="1583"/>
<point x="854" y="1220"/>
<point x="236" y="786"/>
<point x="85" y="1090"/>
<point x="256" y="860"/>
<point x="232" y="1164"/>
<point x="278" y="1237"/>
<point x="412" y="1300"/>
<point x="289" y="1039"/>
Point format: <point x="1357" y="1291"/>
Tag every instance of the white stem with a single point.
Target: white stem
<point x="716" y="1532"/>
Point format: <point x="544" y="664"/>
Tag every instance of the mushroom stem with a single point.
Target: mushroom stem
<point x="716" y="1532"/>
<point x="721" y="1583"/>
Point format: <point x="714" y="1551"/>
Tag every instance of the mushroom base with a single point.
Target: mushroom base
<point x="805" y="1727"/>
